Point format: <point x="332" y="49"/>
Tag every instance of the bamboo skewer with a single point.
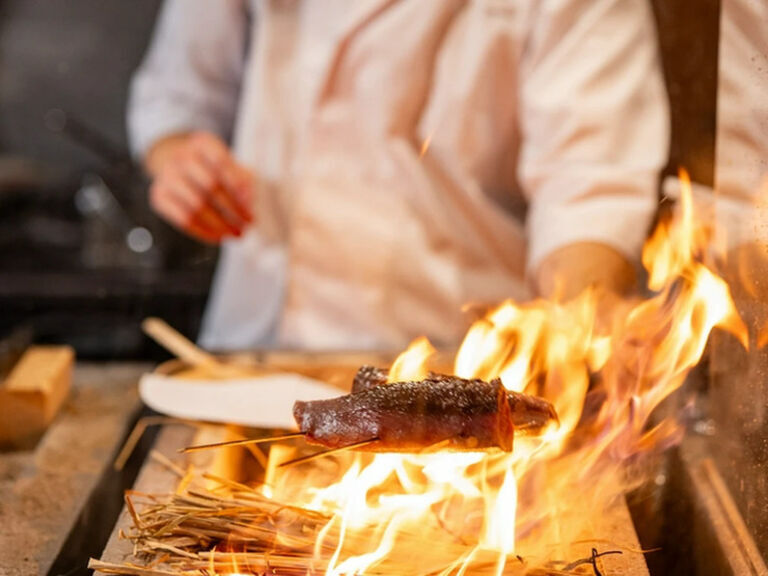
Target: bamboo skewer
<point x="265" y="440"/>
<point x="325" y="453"/>
<point x="244" y="442"/>
<point x="173" y="341"/>
<point x="186" y="350"/>
<point x="138" y="431"/>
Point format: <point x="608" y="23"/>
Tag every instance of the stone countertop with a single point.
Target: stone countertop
<point x="43" y="491"/>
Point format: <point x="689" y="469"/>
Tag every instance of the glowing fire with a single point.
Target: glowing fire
<point x="448" y="513"/>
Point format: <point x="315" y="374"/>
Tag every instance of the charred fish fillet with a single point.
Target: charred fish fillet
<point x="530" y="414"/>
<point x="369" y="376"/>
<point x="412" y="416"/>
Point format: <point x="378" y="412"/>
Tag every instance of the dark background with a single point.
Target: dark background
<point x="689" y="33"/>
<point x="77" y="56"/>
<point x="65" y="69"/>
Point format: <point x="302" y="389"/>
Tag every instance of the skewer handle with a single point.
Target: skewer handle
<point x="177" y="344"/>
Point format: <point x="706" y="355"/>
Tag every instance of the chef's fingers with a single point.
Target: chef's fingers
<point x="196" y="200"/>
<point x="243" y="183"/>
<point x="197" y="171"/>
<point x="177" y="213"/>
<point x="239" y="182"/>
<point x="201" y="176"/>
<point x="236" y="180"/>
<point x="197" y="226"/>
<point x="210" y="147"/>
<point x="200" y="205"/>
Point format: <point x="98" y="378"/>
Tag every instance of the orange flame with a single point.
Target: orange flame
<point x="412" y="364"/>
<point x="448" y="512"/>
<point x="672" y="246"/>
<point x="229" y="561"/>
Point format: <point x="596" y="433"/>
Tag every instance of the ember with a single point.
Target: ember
<point x="453" y="512"/>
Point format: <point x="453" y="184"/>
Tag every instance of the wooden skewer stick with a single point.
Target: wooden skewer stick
<point x="244" y="442"/>
<point x="176" y="343"/>
<point x="324" y="453"/>
<point x="188" y="351"/>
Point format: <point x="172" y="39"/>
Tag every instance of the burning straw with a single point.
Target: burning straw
<point x="236" y="530"/>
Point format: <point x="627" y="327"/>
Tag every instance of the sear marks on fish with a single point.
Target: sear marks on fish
<point x="369" y="376"/>
<point x="412" y="416"/>
<point x="530" y="414"/>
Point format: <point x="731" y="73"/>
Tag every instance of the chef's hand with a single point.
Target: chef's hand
<point x="198" y="186"/>
<point x="567" y="272"/>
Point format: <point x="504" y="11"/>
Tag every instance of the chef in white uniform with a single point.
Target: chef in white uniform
<point x="394" y="160"/>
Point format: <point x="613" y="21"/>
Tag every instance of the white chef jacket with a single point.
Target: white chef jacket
<point x="544" y="122"/>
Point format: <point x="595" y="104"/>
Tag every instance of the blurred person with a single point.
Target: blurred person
<point x="393" y="160"/>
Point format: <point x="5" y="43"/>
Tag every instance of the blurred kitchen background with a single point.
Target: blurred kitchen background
<point x="82" y="258"/>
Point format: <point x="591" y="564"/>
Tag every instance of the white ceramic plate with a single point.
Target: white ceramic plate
<point x="262" y="402"/>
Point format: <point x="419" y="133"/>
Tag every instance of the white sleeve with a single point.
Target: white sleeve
<point x="595" y="125"/>
<point x="191" y="75"/>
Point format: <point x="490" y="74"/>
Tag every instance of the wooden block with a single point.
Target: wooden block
<point x="33" y="392"/>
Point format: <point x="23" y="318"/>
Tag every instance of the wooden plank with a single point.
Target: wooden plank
<point x="616" y="530"/>
<point x="33" y="393"/>
<point x="43" y="490"/>
<point x="723" y="543"/>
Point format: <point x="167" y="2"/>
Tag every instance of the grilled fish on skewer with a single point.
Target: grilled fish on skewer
<point x="445" y="412"/>
<point x="368" y="376"/>
<point x="530" y="414"/>
<point x="412" y="416"/>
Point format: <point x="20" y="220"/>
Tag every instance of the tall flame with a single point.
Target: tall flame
<point x="446" y="513"/>
<point x="412" y="364"/>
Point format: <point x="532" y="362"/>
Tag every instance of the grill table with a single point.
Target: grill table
<point x="61" y="501"/>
